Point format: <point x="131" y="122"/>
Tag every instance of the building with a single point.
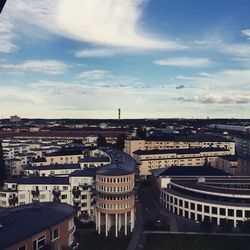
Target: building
<point x="242" y="144"/>
<point x="59" y="157"/>
<point x="13" y="167"/>
<point x="230" y="127"/>
<point x="15" y="118"/>
<point x="96" y="189"/>
<point x="217" y="198"/>
<point x="115" y="199"/>
<point x="37" y="226"/>
<point x="161" y="158"/>
<point x="175" y="141"/>
<point x="244" y="165"/>
<point x="75" y="190"/>
<point x="228" y="163"/>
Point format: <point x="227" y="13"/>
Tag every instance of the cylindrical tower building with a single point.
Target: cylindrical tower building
<point x="115" y="200"/>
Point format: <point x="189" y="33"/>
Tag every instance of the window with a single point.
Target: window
<point x="247" y="214"/>
<point x="180" y="203"/>
<point x="230" y="212"/>
<point x="214" y="210"/>
<point x="84" y="204"/>
<point x="84" y="197"/>
<point x="71" y="239"/>
<point x="55" y="233"/>
<point x="239" y="213"/>
<point x="199" y="207"/>
<point x="71" y="224"/>
<point x="22" y="248"/>
<point x="192" y="205"/>
<point x="64" y="196"/>
<point x="222" y="211"/>
<point x="39" y="243"/>
<point x="43" y="196"/>
<point x="206" y="209"/>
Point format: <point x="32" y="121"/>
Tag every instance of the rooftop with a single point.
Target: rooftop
<point x="216" y="185"/>
<point x="121" y="163"/>
<point x="53" y="167"/>
<point x="39" y="180"/>
<point x="95" y="159"/>
<point x="88" y="172"/>
<point x="178" y="151"/>
<point x="35" y="218"/>
<point x="188" y="138"/>
<point x="189" y="171"/>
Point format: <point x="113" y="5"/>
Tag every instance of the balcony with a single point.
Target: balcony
<point x="13" y="200"/>
<point x="56" y="195"/>
<point x="76" y="193"/>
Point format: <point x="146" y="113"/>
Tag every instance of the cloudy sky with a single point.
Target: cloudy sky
<point x="151" y="58"/>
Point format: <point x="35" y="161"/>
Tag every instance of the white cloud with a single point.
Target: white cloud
<point x="44" y="66"/>
<point x="246" y="33"/>
<point x="217" y="99"/>
<point x="6" y="36"/>
<point x="94" y="74"/>
<point x="240" y="49"/>
<point x="196" y="62"/>
<point x="105" y="22"/>
<point x="100" y="52"/>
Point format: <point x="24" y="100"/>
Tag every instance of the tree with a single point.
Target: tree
<point x="120" y="141"/>
<point x="141" y="133"/>
<point x="101" y="141"/>
<point x="2" y="164"/>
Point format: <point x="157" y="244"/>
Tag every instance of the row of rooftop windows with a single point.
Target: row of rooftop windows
<point x="113" y="189"/>
<point x="112" y="198"/>
<point x="113" y="180"/>
<point x="114" y="206"/>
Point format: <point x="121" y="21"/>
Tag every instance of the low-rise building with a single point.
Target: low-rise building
<point x="155" y="159"/>
<point x="37" y="226"/>
<point x="175" y="141"/>
<point x="228" y="163"/>
<point x="216" y="198"/>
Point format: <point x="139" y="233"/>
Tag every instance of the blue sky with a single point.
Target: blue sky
<point x="151" y="58"/>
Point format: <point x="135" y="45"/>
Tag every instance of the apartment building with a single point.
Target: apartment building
<point x="242" y="144"/>
<point x="154" y="159"/>
<point x="59" y="157"/>
<point x="108" y="180"/>
<point x="37" y="226"/>
<point x="175" y="141"/>
<point x="218" y="199"/>
<point x="228" y="163"/>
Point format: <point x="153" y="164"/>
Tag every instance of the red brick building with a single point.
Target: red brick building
<point x="37" y="226"/>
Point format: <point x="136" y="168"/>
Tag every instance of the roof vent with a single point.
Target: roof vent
<point x="201" y="180"/>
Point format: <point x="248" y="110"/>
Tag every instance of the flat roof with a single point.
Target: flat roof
<point x="211" y="186"/>
<point x="22" y="222"/>
<point x="121" y="163"/>
<point x="229" y="157"/>
<point x="88" y="172"/>
<point x="53" y="167"/>
<point x="95" y="159"/>
<point x="39" y="180"/>
<point x="188" y="138"/>
<point x="178" y="151"/>
<point x="189" y="171"/>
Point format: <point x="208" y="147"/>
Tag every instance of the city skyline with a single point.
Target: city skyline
<point x="151" y="58"/>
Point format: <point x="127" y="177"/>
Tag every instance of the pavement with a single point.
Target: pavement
<point x="150" y="213"/>
<point x="137" y="233"/>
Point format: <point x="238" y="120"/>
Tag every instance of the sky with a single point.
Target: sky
<point x="151" y="58"/>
